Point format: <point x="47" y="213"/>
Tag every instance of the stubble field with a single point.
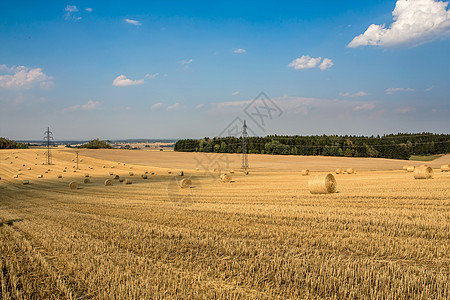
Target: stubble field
<point x="264" y="236"/>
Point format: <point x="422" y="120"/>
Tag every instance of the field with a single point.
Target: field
<point x="264" y="236"/>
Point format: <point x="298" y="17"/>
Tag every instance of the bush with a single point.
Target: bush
<point x="96" y="144"/>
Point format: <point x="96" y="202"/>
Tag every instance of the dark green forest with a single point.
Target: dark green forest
<point x="96" y="144"/>
<point x="10" y="144"/>
<point x="398" y="146"/>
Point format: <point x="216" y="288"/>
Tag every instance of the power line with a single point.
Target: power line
<point x="48" y="136"/>
<point x="244" y="147"/>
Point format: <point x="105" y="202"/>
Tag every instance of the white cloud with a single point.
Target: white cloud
<point x="134" y="22"/>
<point x="200" y="105"/>
<point x="307" y="62"/>
<point x="358" y="94"/>
<point x="90" y="105"/>
<point x="122" y="80"/>
<point x="186" y="61"/>
<point x="326" y="64"/>
<point x="70" y="9"/>
<point x="151" y="76"/>
<point x="391" y="91"/>
<point x="24" y="78"/>
<point x="240" y="50"/>
<point x="173" y="106"/>
<point x="415" y="22"/>
<point x="364" y="106"/>
<point x="89" y="9"/>
<point x="429" y="89"/>
<point x="156" y="105"/>
<point x="235" y="93"/>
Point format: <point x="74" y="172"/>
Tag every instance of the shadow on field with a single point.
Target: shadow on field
<point x="10" y="222"/>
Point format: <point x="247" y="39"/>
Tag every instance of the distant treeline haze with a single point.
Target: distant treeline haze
<point x="398" y="146"/>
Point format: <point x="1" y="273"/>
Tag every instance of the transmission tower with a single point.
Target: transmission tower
<point x="244" y="147"/>
<point x="48" y="137"/>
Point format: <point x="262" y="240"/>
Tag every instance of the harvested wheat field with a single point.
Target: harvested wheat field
<point x="383" y="234"/>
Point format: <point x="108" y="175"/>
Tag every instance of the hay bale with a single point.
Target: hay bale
<point x="46" y="172"/>
<point x="65" y="167"/>
<point x="23" y="165"/>
<point x="169" y="172"/>
<point x="28" y="169"/>
<point x="104" y="167"/>
<point x="246" y="173"/>
<point x="108" y="182"/>
<point x="423" y="172"/>
<point x="145" y="172"/>
<point x="350" y="171"/>
<point x="231" y="171"/>
<point x="86" y="175"/>
<point x="131" y="173"/>
<point x="116" y="177"/>
<point x="87" y="180"/>
<point x="196" y="169"/>
<point x="410" y="168"/>
<point x="64" y="170"/>
<point x="112" y="167"/>
<point x="127" y="181"/>
<point x="131" y="168"/>
<point x="59" y="176"/>
<point x="445" y="168"/>
<point x="16" y="176"/>
<point x="181" y="173"/>
<point x="144" y="176"/>
<point x="73" y="185"/>
<point x="111" y="173"/>
<point x="305" y="172"/>
<point x="339" y="171"/>
<point x="19" y="170"/>
<point x="40" y="176"/>
<point x="322" y="184"/>
<point x="26" y="182"/>
<point x="121" y="179"/>
<point x="405" y="167"/>
<point x="12" y="162"/>
<point x="226" y="178"/>
<point x="185" y="183"/>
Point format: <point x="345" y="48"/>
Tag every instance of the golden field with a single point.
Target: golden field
<point x="264" y="236"/>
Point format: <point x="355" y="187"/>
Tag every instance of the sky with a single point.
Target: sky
<point x="190" y="69"/>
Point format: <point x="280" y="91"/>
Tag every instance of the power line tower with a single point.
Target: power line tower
<point x="244" y="147"/>
<point x="48" y="137"/>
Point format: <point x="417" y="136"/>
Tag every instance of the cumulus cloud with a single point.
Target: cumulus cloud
<point x="240" y="50"/>
<point x="23" y="78"/>
<point x="134" y="22"/>
<point x="358" y="94"/>
<point x="90" y="105"/>
<point x="392" y="91"/>
<point x="89" y="9"/>
<point x="173" y="106"/>
<point x="151" y="76"/>
<point x="364" y="106"/>
<point x="70" y="9"/>
<point x="326" y="64"/>
<point x="186" y="61"/>
<point x="200" y="105"/>
<point x="156" y="105"/>
<point x="235" y="93"/>
<point x="122" y="80"/>
<point x="414" y="22"/>
<point x="307" y="62"/>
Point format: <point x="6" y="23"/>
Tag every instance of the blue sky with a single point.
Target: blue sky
<point x="175" y="69"/>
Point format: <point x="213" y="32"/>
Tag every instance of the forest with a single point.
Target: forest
<point x="397" y="146"/>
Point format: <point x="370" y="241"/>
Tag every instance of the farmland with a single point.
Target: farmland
<point x="262" y="236"/>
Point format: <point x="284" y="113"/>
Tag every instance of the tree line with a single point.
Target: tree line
<point x="10" y="144"/>
<point x="397" y="146"/>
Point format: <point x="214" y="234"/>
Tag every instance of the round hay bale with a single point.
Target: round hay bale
<point x="231" y="171"/>
<point x="28" y="169"/>
<point x="86" y="175"/>
<point x="181" y="173"/>
<point x="46" y="172"/>
<point x="19" y="170"/>
<point x="112" y="167"/>
<point x="305" y="172"/>
<point x="12" y="162"/>
<point x="108" y="182"/>
<point x="423" y="173"/>
<point x="127" y="181"/>
<point x="185" y="183"/>
<point x="73" y="185"/>
<point x="410" y="168"/>
<point x="23" y="165"/>
<point x="196" y="169"/>
<point x="116" y="177"/>
<point x="59" y="176"/>
<point x="226" y="178"/>
<point x="445" y="168"/>
<point x="121" y="179"/>
<point x="131" y="173"/>
<point x="64" y="170"/>
<point x="26" y="182"/>
<point x="350" y="171"/>
<point x="339" y="171"/>
<point x="104" y="167"/>
<point x="144" y="176"/>
<point x="405" y="167"/>
<point x="87" y="180"/>
<point x="322" y="184"/>
<point x="16" y="176"/>
<point x="131" y="168"/>
<point x="111" y="173"/>
<point x="169" y="172"/>
<point x="145" y="172"/>
<point x="246" y="173"/>
<point x="65" y="167"/>
<point x="40" y="176"/>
